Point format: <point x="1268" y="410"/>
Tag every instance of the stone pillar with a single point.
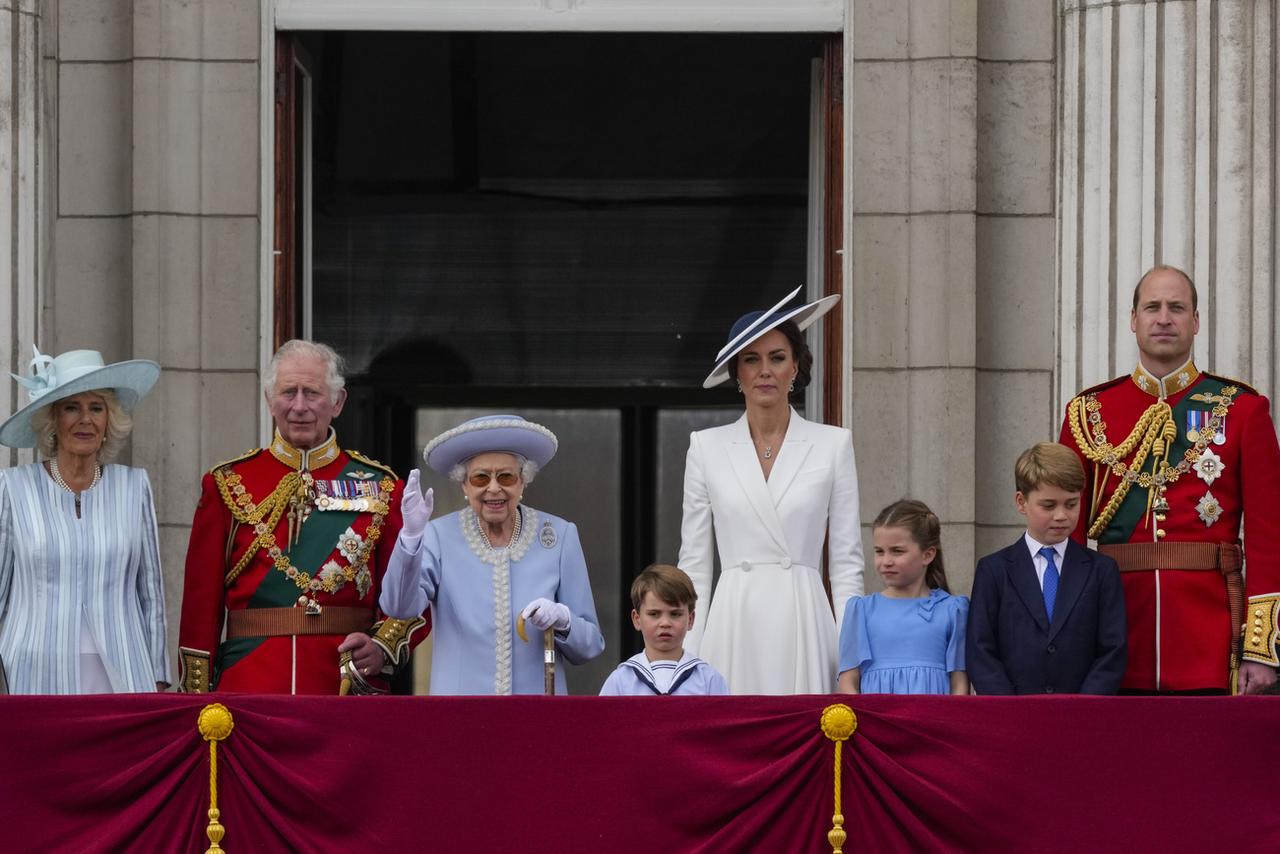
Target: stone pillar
<point x="914" y="105"/>
<point x="157" y="244"/>
<point x="1167" y="155"/>
<point x="1015" y="254"/>
<point x="24" y="218"/>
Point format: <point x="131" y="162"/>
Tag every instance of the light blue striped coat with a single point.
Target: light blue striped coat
<point x="55" y="567"/>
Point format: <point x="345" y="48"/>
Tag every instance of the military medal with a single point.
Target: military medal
<point x="1209" y="509"/>
<point x="1209" y="467"/>
<point x="1197" y="419"/>
<point x="356" y="496"/>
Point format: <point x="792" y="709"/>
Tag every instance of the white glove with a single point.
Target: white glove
<point x="416" y="509"/>
<point x="544" y="614"/>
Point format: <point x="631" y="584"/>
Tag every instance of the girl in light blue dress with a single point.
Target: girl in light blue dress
<point x="909" y="638"/>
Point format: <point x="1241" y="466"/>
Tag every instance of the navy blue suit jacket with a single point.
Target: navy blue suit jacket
<point x="1013" y="648"/>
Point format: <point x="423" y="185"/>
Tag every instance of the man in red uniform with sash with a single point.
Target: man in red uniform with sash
<point x="288" y="549"/>
<point x="1174" y="459"/>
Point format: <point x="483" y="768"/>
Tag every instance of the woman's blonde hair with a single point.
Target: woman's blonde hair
<point x="119" y="425"/>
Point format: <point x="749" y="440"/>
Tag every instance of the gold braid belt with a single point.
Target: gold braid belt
<point x="1152" y="434"/>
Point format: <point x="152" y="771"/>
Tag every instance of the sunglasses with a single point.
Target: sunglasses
<point x="481" y="479"/>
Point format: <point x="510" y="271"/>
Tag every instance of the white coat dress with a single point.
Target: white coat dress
<point x="770" y="628"/>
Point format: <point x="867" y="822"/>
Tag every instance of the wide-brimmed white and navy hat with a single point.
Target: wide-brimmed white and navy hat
<point x="488" y="434"/>
<point x="753" y="324"/>
<point x="73" y="372"/>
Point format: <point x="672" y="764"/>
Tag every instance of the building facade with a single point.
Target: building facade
<point x="1007" y="168"/>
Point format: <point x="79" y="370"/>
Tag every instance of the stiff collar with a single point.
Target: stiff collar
<point x="315" y="458"/>
<point x="1180" y="379"/>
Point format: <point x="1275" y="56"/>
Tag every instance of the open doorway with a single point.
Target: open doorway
<point x="560" y="222"/>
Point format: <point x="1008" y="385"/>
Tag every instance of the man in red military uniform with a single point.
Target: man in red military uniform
<point x="288" y="548"/>
<point x="1174" y="459"/>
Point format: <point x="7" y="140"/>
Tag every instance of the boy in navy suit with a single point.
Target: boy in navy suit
<point x="1047" y="614"/>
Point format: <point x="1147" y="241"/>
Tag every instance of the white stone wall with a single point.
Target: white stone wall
<point x="952" y="287"/>
<point x="156" y="229"/>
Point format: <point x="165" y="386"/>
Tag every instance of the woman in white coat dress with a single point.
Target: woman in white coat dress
<point x="774" y="488"/>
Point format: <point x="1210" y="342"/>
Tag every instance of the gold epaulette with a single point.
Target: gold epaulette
<point x="195" y="671"/>
<point x="1261" y="626"/>
<point x="393" y="636"/>
<point x="1240" y="384"/>
<point x="356" y="455"/>
<point x="249" y="454"/>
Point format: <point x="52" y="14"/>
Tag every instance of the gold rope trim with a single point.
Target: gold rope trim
<point x="1153" y="433"/>
<point x="215" y="724"/>
<point x="838" y="723"/>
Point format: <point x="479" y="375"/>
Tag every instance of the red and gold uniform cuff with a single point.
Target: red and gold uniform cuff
<point x="393" y="636"/>
<point x="1261" y="624"/>
<point x="195" y="671"/>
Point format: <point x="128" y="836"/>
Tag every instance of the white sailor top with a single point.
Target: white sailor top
<point x="640" y="677"/>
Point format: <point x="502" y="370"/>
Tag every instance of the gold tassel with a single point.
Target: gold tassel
<point x="215" y="724"/>
<point x="838" y="723"/>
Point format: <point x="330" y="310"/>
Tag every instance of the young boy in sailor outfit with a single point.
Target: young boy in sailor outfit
<point x="662" y="600"/>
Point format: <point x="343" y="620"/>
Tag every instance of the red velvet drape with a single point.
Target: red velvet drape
<point x="710" y="774"/>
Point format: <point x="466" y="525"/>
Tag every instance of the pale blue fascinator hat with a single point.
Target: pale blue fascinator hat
<point x="505" y="434"/>
<point x="753" y="324"/>
<point x="73" y="372"/>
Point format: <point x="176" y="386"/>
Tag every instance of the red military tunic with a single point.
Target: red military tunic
<point x="1180" y="460"/>
<point x="345" y="512"/>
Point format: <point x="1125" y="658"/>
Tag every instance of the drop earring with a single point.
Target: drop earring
<point x="792" y="387"/>
<point x="739" y="382"/>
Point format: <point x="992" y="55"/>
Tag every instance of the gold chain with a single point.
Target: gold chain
<point x="1155" y="430"/>
<point x="243" y="509"/>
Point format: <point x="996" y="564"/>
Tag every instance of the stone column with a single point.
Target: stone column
<point x="1167" y="155"/>
<point x="24" y="155"/>
<point x="912" y="291"/>
<point x="1015" y="254"/>
<point x="952" y="285"/>
<point x="157" y="243"/>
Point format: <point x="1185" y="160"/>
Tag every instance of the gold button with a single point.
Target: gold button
<point x="1159" y="533"/>
<point x="1160" y="517"/>
<point x="1257" y="612"/>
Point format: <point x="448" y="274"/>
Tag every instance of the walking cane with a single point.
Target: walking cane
<point x="548" y="655"/>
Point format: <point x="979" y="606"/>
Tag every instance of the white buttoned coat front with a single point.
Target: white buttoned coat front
<point x="770" y="628"/>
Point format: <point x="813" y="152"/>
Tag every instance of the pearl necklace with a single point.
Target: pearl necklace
<point x="57" y="477"/>
<point x="515" y="532"/>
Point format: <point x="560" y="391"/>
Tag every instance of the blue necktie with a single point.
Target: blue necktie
<point x="1050" y="580"/>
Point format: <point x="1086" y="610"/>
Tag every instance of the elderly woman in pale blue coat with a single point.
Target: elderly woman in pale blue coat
<point x="81" y="598"/>
<point x="492" y="566"/>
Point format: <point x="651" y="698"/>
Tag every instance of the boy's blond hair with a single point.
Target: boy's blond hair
<point x="669" y="583"/>
<point x="1051" y="464"/>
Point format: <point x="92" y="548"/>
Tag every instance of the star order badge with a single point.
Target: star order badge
<point x="1209" y="509"/>
<point x="1209" y="467"/>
